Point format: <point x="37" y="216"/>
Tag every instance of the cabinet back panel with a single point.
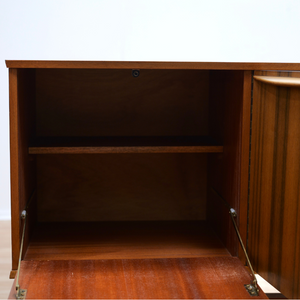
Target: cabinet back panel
<point x="114" y="103"/>
<point x="121" y="187"/>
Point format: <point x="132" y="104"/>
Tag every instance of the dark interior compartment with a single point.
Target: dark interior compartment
<point x="154" y="154"/>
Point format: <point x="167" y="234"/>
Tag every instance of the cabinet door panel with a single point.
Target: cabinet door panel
<point x="171" y="278"/>
<point x="274" y="209"/>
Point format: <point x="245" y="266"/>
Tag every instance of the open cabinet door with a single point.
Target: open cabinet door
<point x="274" y="220"/>
<point x="172" y="278"/>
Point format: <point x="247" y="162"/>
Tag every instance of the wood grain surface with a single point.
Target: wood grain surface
<point x="14" y="166"/>
<point x="125" y="149"/>
<point x="23" y="180"/>
<point x="123" y="240"/>
<point x="75" y="145"/>
<point x="274" y="222"/>
<point x="229" y="120"/>
<point x="278" y="80"/>
<point x="150" y="65"/>
<point x="181" y="278"/>
<point x="114" y="103"/>
<point x="121" y="187"/>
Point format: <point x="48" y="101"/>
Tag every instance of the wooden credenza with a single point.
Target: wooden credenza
<point x="127" y="172"/>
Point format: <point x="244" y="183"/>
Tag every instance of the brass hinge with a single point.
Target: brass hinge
<point x="21" y="294"/>
<point x="251" y="288"/>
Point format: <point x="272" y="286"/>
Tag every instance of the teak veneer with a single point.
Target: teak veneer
<point x="172" y="278"/>
<point x="67" y="145"/>
<point x="124" y="240"/>
<point x="59" y="64"/>
<point x="130" y="178"/>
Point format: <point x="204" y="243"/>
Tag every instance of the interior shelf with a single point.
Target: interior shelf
<point x="124" y="240"/>
<point x="158" y="144"/>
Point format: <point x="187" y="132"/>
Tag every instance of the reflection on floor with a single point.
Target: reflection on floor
<point x="5" y="259"/>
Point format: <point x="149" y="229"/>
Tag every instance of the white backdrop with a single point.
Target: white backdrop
<point x="157" y="30"/>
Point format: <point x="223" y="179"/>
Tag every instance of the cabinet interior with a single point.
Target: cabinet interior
<point x="130" y="167"/>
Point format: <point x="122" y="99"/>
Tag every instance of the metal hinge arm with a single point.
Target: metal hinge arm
<point x="21" y="293"/>
<point x="252" y="288"/>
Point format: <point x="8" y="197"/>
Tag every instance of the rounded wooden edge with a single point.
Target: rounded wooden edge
<point x="12" y="274"/>
<point x="280" y="81"/>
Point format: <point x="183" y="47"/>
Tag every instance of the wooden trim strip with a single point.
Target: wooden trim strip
<point x="280" y="81"/>
<point x="150" y="65"/>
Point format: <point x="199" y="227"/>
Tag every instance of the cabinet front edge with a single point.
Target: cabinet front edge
<point x="150" y="65"/>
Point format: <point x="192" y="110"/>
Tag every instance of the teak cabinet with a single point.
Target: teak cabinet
<point x="127" y="171"/>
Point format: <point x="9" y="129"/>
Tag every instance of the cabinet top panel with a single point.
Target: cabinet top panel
<point x="150" y="65"/>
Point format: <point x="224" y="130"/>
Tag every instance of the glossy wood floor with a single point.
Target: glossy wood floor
<point x="123" y="240"/>
<point x="5" y="259"/>
<point x="170" y="278"/>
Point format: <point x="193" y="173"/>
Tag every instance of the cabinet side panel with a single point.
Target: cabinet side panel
<point x="245" y="155"/>
<point x="274" y="210"/>
<point x="230" y="103"/>
<point x="14" y="166"/>
<point x="22" y="127"/>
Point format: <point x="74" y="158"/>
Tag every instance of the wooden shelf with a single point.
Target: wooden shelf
<point x="86" y="145"/>
<point x="124" y="240"/>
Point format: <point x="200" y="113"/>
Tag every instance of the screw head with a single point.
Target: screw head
<point x="135" y="73"/>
